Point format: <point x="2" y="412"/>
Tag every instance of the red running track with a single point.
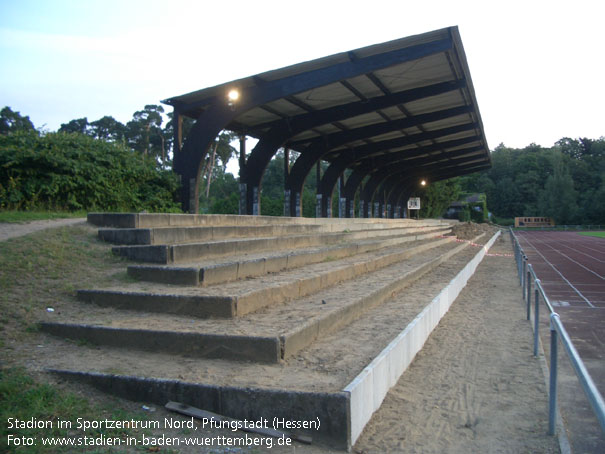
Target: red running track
<point x="571" y="268"/>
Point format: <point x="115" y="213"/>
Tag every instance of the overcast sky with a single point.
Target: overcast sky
<point x="537" y="66"/>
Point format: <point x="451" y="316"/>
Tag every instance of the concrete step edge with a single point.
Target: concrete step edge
<point x="200" y="345"/>
<point x="232" y="271"/>
<point x="303" y="336"/>
<point x="204" y="306"/>
<point x="150" y="220"/>
<point x="193" y="234"/>
<point x="187" y="252"/>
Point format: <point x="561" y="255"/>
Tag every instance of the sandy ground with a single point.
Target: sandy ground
<point x="13" y="230"/>
<point x="475" y="387"/>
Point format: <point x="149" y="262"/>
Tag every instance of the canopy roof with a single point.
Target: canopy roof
<point x="408" y="102"/>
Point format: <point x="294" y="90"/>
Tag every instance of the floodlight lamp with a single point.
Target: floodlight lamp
<point x="423" y="182"/>
<point x="233" y="95"/>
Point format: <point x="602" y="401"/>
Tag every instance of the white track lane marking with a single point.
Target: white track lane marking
<point x="580" y="252"/>
<point x="570" y="259"/>
<point x="553" y="267"/>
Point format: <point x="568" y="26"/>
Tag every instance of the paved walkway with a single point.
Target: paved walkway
<point x="13" y="230"/>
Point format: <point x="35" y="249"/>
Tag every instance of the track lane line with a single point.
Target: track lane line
<point x="560" y="274"/>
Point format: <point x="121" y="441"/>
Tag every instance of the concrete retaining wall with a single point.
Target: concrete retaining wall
<point x="371" y="386"/>
<point x="332" y="409"/>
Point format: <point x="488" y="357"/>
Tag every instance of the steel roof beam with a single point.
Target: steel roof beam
<point x="188" y="161"/>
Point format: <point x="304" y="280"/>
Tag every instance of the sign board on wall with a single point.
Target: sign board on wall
<point x="414" y="203"/>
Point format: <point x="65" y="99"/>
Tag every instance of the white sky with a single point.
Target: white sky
<point x="537" y="66"/>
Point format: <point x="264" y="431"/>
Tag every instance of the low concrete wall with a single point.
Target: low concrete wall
<point x="332" y="409"/>
<point x="371" y="386"/>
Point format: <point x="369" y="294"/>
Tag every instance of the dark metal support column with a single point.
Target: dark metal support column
<point x="286" y="175"/>
<point x="351" y="186"/>
<point x="342" y="201"/>
<point x="242" y="175"/>
<point x="318" y="213"/>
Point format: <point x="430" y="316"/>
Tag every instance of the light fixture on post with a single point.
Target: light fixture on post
<point x="232" y="97"/>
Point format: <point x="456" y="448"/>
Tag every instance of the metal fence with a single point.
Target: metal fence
<point x="557" y="332"/>
<point x="564" y="227"/>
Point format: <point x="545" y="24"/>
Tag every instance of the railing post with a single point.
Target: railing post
<point x="519" y="264"/>
<point x="523" y="275"/>
<point x="552" y="405"/>
<point x="528" y="285"/>
<point x="536" y="317"/>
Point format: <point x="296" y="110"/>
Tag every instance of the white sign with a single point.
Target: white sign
<point x="414" y="203"/>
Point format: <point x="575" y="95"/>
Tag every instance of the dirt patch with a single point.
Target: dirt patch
<point x="469" y="230"/>
<point x="11" y="230"/>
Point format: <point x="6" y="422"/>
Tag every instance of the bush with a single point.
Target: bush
<point x="76" y="172"/>
<point x="464" y="215"/>
<point x="504" y="222"/>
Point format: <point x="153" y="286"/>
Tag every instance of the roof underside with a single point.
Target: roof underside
<point x="442" y="124"/>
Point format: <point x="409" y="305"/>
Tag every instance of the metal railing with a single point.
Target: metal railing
<point x="563" y="227"/>
<point x="557" y="330"/>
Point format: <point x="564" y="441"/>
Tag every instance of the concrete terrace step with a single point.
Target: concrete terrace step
<point x="191" y="234"/>
<point x="150" y="220"/>
<point x="258" y="264"/>
<point x="272" y="335"/>
<point x="315" y="382"/>
<point x="188" y="252"/>
<point x="241" y="298"/>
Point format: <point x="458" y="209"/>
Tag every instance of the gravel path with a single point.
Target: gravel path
<point x="12" y="230"/>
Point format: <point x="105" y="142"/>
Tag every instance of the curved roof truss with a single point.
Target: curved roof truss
<point x="393" y="111"/>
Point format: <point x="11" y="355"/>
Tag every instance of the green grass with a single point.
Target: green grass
<point x="597" y="234"/>
<point x="15" y="216"/>
<point x="43" y="270"/>
<point x="22" y="398"/>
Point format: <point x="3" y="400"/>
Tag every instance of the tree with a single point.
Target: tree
<point x="107" y="128"/>
<point x="507" y="201"/>
<point x="79" y="126"/>
<point x="72" y="171"/>
<point x="221" y="149"/>
<point x="437" y="196"/>
<point x="187" y="124"/>
<point x="13" y="121"/>
<point x="558" y="200"/>
<point x="144" y="132"/>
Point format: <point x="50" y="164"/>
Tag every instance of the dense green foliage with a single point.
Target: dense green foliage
<point x="224" y="193"/>
<point x="565" y="182"/>
<point x="437" y="196"/>
<point x="72" y="171"/>
<point x="107" y="165"/>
